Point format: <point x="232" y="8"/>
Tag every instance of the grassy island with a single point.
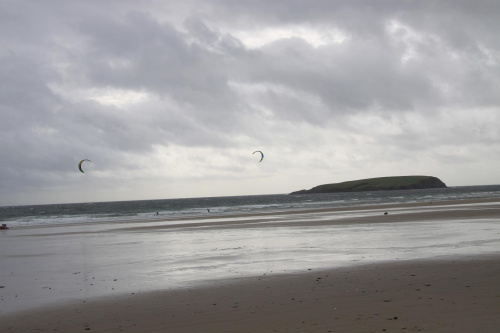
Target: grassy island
<point x="378" y="184"/>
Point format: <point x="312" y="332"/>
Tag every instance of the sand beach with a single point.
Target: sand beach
<point x="422" y="267"/>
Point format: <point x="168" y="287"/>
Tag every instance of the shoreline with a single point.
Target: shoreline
<point x="222" y="219"/>
<point x="154" y="218"/>
<point x="436" y="295"/>
<point x="423" y="212"/>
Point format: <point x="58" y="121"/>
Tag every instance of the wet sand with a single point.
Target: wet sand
<point x="436" y="268"/>
<point x="425" y="211"/>
<point x="412" y="296"/>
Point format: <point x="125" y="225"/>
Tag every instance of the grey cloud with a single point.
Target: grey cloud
<point x="206" y="89"/>
<point x="141" y="53"/>
<point x="454" y="36"/>
<point x="346" y="77"/>
<point x="201" y="32"/>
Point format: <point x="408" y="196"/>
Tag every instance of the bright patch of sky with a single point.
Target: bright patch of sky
<point x="315" y="37"/>
<point x="120" y="98"/>
<point x="406" y="36"/>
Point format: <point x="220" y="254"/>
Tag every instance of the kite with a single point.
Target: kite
<point x="261" y="153"/>
<point x="80" y="165"/>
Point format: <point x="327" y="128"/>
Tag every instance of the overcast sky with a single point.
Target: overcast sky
<point x="169" y="99"/>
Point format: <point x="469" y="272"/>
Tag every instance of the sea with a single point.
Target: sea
<point x="164" y="209"/>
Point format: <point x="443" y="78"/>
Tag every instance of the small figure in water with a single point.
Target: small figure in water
<point x="386" y="213"/>
<point x="4" y="227"/>
<point x="208" y="210"/>
<point x="157" y="213"/>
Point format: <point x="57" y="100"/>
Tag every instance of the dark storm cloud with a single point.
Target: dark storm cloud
<point x="137" y="52"/>
<point x="346" y="78"/>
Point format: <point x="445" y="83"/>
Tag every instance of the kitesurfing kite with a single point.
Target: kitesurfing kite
<point x="261" y="153"/>
<point x="80" y="165"/>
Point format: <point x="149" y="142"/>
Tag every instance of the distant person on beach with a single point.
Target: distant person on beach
<point x="208" y="210"/>
<point x="4" y="226"/>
